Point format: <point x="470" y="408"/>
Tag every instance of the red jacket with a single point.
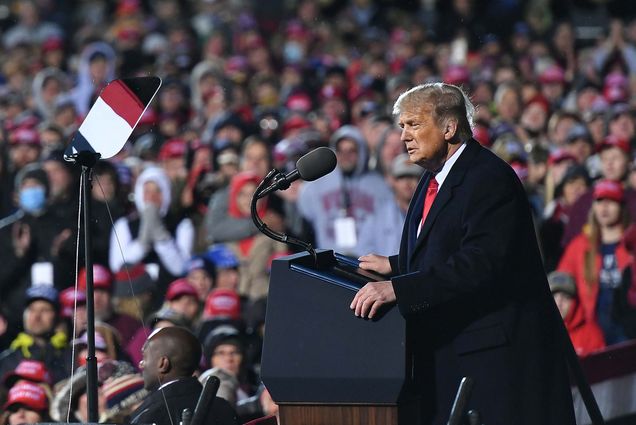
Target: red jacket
<point x="581" y="321"/>
<point x="586" y="336"/>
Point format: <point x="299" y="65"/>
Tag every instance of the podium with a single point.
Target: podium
<point x="323" y="365"/>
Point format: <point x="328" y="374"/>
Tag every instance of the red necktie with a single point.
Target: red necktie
<point x="431" y="193"/>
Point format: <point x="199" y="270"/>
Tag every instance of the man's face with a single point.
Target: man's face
<point x="202" y="282"/>
<point x="23" y="154"/>
<point x="228" y="357"/>
<point x="148" y="365"/>
<point x="347" y="155"/>
<point x="39" y="318"/>
<point x="59" y="177"/>
<point x="613" y="163"/>
<point x="622" y="126"/>
<point x="81" y="320"/>
<point x="425" y="141"/>
<point x="175" y="168"/>
<point x="227" y="279"/>
<point x="255" y="159"/>
<point x="404" y="187"/>
<point x="187" y="305"/>
<point x="392" y="147"/>
<point x="580" y="149"/>
<point x="573" y="189"/>
<point x="105" y="190"/>
<point x="24" y="415"/>
<point x="102" y="303"/>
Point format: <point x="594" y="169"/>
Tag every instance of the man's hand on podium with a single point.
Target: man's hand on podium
<point x="374" y="294"/>
<point x="376" y="263"/>
<point x="371" y="297"/>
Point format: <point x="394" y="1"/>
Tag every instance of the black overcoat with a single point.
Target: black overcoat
<point x="477" y="302"/>
<point x="182" y="394"/>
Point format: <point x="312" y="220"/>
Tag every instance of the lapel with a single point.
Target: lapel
<point x="445" y="194"/>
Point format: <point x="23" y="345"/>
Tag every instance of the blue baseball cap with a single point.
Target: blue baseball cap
<point x="42" y="292"/>
<point x="222" y="257"/>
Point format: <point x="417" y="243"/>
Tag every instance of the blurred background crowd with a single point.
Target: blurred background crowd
<point x="253" y="85"/>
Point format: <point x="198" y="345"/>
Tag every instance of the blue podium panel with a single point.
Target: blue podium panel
<point x="317" y="351"/>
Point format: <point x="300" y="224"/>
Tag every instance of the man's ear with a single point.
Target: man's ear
<point x="450" y="129"/>
<point x="164" y="365"/>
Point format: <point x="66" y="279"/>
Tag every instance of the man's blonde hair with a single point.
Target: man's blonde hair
<point x="448" y="102"/>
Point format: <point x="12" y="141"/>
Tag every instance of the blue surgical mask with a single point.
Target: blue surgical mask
<point x="32" y="199"/>
<point x="293" y="52"/>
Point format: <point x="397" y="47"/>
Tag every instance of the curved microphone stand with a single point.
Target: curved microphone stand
<point x="262" y="227"/>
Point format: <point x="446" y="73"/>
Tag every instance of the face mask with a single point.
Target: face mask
<point x="32" y="199"/>
<point x="293" y="52"/>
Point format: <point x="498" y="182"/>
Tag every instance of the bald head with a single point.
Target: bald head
<point x="169" y="353"/>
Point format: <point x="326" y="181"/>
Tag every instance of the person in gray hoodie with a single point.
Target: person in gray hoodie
<point x="344" y="207"/>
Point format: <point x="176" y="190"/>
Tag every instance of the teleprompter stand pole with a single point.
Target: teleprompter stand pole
<point x="88" y="160"/>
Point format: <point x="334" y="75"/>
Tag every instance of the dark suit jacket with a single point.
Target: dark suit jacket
<point x="477" y="302"/>
<point x="180" y="395"/>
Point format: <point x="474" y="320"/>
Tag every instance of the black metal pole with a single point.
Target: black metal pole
<point x="87" y="161"/>
<point x="579" y="377"/>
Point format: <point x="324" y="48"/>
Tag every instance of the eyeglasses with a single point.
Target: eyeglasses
<point x="268" y="124"/>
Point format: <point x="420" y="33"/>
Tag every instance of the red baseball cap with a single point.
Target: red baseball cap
<point x="24" y="136"/>
<point x="30" y="370"/>
<point x="560" y="155"/>
<point x="608" y="189"/>
<point x="612" y="141"/>
<point x="295" y="122"/>
<point x="552" y="74"/>
<point x="27" y="394"/>
<point x="102" y="278"/>
<point x="457" y="74"/>
<point x="222" y="303"/>
<point x="131" y="281"/>
<point x="173" y="148"/>
<point x="52" y="43"/>
<point x="330" y="91"/>
<point x="67" y="300"/>
<point x="539" y="100"/>
<point x="616" y="94"/>
<point x="299" y="102"/>
<point x="179" y="288"/>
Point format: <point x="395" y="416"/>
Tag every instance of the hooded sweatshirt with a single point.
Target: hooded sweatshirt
<point x="172" y="253"/>
<point x="324" y="201"/>
<point x="86" y="88"/>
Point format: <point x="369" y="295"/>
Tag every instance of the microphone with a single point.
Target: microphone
<point x="311" y="166"/>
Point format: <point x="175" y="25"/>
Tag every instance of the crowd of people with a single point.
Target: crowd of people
<point x="252" y="86"/>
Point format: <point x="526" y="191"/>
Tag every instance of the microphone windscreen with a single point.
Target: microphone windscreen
<point x="317" y="163"/>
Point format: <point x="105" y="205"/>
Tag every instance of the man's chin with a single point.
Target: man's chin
<point x="38" y="333"/>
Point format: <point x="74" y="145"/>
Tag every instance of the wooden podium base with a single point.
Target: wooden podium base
<point x="314" y="414"/>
